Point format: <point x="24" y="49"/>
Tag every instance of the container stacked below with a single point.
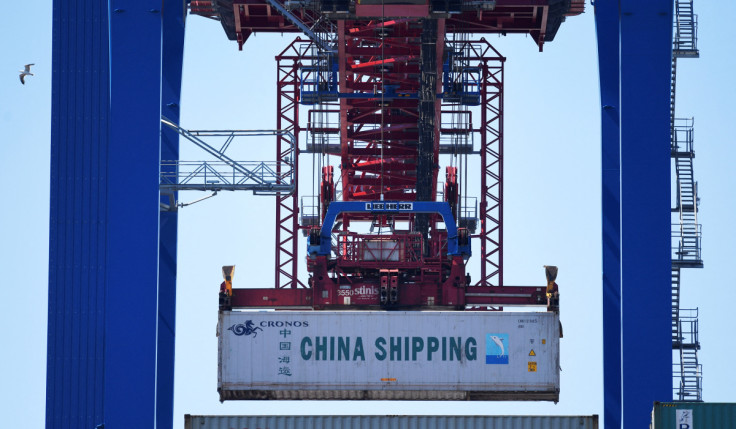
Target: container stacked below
<point x="391" y="422"/>
<point x="693" y="415"/>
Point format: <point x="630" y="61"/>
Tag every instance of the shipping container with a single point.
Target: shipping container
<point x="693" y="415"/>
<point x="390" y="422"/>
<point x="416" y="355"/>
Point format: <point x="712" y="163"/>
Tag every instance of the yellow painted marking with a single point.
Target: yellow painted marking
<point x="388" y="379"/>
<point x="544" y="341"/>
<point x="532" y="367"/>
<point x="531" y="353"/>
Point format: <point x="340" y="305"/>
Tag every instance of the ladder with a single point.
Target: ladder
<point x="686" y="232"/>
<point x="685" y="30"/>
<point x="688" y="370"/>
<point x="673" y="94"/>
<point x="675" y="305"/>
<point x="686" y="246"/>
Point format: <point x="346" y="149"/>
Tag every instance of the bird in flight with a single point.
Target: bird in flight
<point x="25" y="72"/>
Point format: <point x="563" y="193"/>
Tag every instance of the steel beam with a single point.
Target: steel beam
<point x="474" y="296"/>
<point x="491" y="138"/>
<point x="227" y="174"/>
<point x="428" y="123"/>
<point x="287" y="158"/>
<point x="607" y="25"/>
<point x="174" y="17"/>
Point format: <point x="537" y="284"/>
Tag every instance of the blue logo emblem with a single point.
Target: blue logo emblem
<point x="246" y="329"/>
<point x="497" y="349"/>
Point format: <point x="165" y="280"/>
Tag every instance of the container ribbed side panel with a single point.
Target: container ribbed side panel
<point x="391" y="422"/>
<point x="78" y="215"/>
<point x="693" y="415"/>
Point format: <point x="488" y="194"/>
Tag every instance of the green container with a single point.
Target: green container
<point x="693" y="415"/>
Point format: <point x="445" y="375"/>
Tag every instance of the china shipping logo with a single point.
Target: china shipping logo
<point x="246" y="329"/>
<point x="497" y="348"/>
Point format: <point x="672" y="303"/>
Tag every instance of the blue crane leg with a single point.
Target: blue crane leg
<point x="635" y="48"/>
<point x="174" y="15"/>
<point x="646" y="54"/>
<point x="133" y="225"/>
<point x="104" y="275"/>
<point x="78" y="216"/>
<point x="607" y="26"/>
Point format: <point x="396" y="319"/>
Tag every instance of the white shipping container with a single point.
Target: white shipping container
<point x="389" y="355"/>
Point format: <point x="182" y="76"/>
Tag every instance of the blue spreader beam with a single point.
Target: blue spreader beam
<point x="387" y="208"/>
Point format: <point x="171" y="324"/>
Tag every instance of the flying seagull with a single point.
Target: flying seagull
<point x="25" y="72"/>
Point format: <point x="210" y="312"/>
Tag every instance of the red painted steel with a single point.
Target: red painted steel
<point x="379" y="121"/>
<point x="203" y="8"/>
<point x="491" y="133"/>
<point x="506" y="17"/>
<point x="377" y="160"/>
<point x="287" y="118"/>
<point x="362" y="296"/>
<point x="372" y="62"/>
<point x="378" y="10"/>
<point x="354" y="276"/>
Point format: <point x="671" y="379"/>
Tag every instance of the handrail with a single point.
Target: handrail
<point x="260" y="177"/>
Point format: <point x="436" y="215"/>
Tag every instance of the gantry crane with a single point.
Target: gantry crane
<point x="388" y="87"/>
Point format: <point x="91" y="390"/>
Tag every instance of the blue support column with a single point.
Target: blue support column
<point x="174" y="15"/>
<point x="133" y="214"/>
<point x="79" y="199"/>
<point x="635" y="51"/>
<point x="111" y="304"/>
<point x="646" y="54"/>
<point x="607" y="27"/>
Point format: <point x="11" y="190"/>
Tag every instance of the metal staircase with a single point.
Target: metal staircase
<point x="686" y="231"/>
<point x="685" y="35"/>
<point x="686" y="236"/>
<point x="688" y="371"/>
<point x="675" y="304"/>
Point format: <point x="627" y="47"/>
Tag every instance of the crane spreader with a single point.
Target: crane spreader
<point x="388" y="87"/>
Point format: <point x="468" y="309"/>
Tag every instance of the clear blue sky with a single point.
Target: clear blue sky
<point x="552" y="214"/>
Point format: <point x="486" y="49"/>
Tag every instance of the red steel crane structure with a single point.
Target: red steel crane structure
<point x="388" y="87"/>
